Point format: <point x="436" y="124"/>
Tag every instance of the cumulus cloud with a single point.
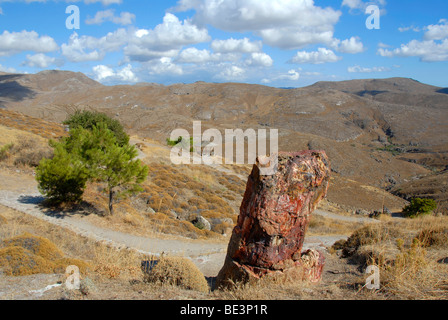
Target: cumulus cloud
<point x="433" y="47"/>
<point x="352" y="45"/>
<point x="259" y="59"/>
<point x="236" y="45"/>
<point x="232" y="73"/>
<point x="193" y="55"/>
<point x="106" y="74"/>
<point x="322" y="55"/>
<point x="88" y="48"/>
<point x="280" y="23"/>
<point x="39" y="60"/>
<point x="291" y="75"/>
<point x="163" y="66"/>
<point x="437" y="31"/>
<point x="165" y="40"/>
<point x="15" y="42"/>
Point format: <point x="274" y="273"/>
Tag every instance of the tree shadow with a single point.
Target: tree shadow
<point x="60" y="212"/>
<point x="11" y="89"/>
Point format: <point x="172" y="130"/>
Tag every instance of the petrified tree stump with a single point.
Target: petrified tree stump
<point x="274" y="216"/>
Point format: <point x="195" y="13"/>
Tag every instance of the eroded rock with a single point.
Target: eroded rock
<point x="274" y="216"/>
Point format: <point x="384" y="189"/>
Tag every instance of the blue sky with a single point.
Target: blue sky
<point x="281" y="43"/>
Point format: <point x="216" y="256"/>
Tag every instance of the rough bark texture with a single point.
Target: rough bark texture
<point x="274" y="216"/>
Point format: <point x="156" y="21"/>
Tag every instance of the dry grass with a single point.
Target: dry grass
<point x="407" y="252"/>
<point x="320" y="225"/>
<point x="24" y="150"/>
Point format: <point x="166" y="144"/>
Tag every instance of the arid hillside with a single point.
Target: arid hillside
<point x="378" y="134"/>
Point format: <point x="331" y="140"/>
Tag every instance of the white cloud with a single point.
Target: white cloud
<point x="166" y="40"/>
<point x="125" y="18"/>
<point x="259" y="59"/>
<point x="437" y="31"/>
<point x="433" y="47"/>
<point x="281" y="23"/>
<point x="358" y="69"/>
<point x="236" y="45"/>
<point x="427" y="51"/>
<point x="88" y="48"/>
<point x="105" y="73"/>
<point x="292" y="75"/>
<point x="193" y="55"/>
<point x="75" y="50"/>
<point x="15" y="42"/>
<point x="232" y="73"/>
<point x="39" y="60"/>
<point x="352" y="45"/>
<point x="322" y="55"/>
<point x="163" y="66"/>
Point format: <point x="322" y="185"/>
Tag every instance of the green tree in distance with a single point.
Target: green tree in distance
<point x="419" y="207"/>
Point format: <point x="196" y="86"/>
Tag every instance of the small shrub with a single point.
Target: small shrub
<point x="176" y="271"/>
<point x="32" y="158"/>
<point x="36" y="245"/>
<point x="420" y="207"/>
<point x="5" y="151"/>
<point x="17" y="261"/>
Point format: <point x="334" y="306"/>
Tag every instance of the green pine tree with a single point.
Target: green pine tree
<point x="62" y="178"/>
<point x="108" y="162"/>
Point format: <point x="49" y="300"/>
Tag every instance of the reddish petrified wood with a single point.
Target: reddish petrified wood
<point x="274" y="217"/>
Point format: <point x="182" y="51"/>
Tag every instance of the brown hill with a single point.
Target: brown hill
<point x="380" y="133"/>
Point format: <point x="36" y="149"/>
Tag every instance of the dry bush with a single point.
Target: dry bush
<point x="371" y="235"/>
<point x="36" y="245"/>
<point x="177" y="271"/>
<point x="28" y="254"/>
<point x="27" y="151"/>
<point x="433" y="237"/>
